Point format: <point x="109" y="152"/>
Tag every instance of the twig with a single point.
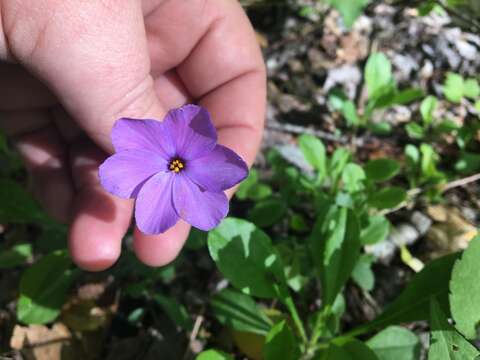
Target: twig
<point x="196" y="328"/>
<point x="413" y="193"/>
<point x="297" y="129"/>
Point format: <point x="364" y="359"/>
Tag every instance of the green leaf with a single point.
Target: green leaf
<point x="427" y="108"/>
<point x="338" y="161"/>
<point x="281" y="343"/>
<point x="380" y="128"/>
<point x="350" y="10"/>
<point x="378" y="74"/>
<point x="17" y="206"/>
<point x="471" y="89"/>
<point x="453" y="87"/>
<point x="246" y="184"/>
<point x="468" y="163"/>
<point x="429" y="161"/>
<point x="349" y="111"/>
<point x="353" y="177"/>
<point x="335" y="246"/>
<point x="407" y="96"/>
<point x="445" y="342"/>
<point x="382" y="169"/>
<point x="197" y="239"/>
<point x="465" y="291"/>
<point x="362" y="273"/>
<point x="43" y="289"/>
<point x="413" y="155"/>
<point x="414" y="130"/>
<point x="15" y="256"/>
<point x="175" y="311"/>
<point x="413" y="304"/>
<point x="395" y="343"/>
<point x="245" y="256"/>
<point x="213" y="354"/>
<point x="314" y="152"/>
<point x="388" y="198"/>
<point x="353" y="349"/>
<point x="239" y="312"/>
<point x="259" y="192"/>
<point x="376" y="231"/>
<point x="267" y="212"/>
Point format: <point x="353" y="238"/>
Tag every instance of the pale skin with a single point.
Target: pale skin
<point x="70" y="68"/>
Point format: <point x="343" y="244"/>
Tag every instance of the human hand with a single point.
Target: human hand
<point x="71" y="68"/>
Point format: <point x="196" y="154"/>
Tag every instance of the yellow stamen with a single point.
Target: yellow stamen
<point x="176" y="166"/>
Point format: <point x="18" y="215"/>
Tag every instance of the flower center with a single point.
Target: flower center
<point x="176" y="165"/>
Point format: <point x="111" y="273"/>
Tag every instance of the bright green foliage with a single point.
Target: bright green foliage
<point x="281" y="343"/>
<point x="247" y="184"/>
<point x="245" y="256"/>
<point x="43" y="289"/>
<point x="427" y="108"/>
<point x="351" y="350"/>
<point x="388" y="197"/>
<point x="395" y="343"/>
<point x="335" y="245"/>
<point x="465" y="291"/>
<point x="445" y="342"/>
<point x="378" y="74"/>
<point x="453" y="87"/>
<point x="17" y="255"/>
<point x="213" y="354"/>
<point x="415" y="131"/>
<point x="471" y="89"/>
<point x="382" y="169"/>
<point x="349" y="9"/>
<point x="315" y="153"/>
<point x="376" y="231"/>
<point x="362" y="273"/>
<point x="353" y="177"/>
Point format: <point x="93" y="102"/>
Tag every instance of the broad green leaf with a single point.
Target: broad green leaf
<point x="197" y="239"/>
<point x="175" y="311"/>
<point x="382" y="169"/>
<point x="376" y="231"/>
<point x="245" y="185"/>
<point x="407" y="96"/>
<point x="378" y="74"/>
<point x="337" y="163"/>
<point x="351" y="350"/>
<point x="429" y="161"/>
<point x="445" y="342"/>
<point x="395" y="343"/>
<point x="281" y="343"/>
<point x="213" y="354"/>
<point x="471" y="89"/>
<point x="314" y="152"/>
<point x="427" y="108"/>
<point x="388" y="198"/>
<point x="414" y="130"/>
<point x="380" y="128"/>
<point x="335" y="245"/>
<point x="15" y="256"/>
<point x="362" y="272"/>
<point x="43" y="289"/>
<point x="413" y="155"/>
<point x="413" y="304"/>
<point x="267" y="212"/>
<point x="468" y="163"/>
<point x="350" y="10"/>
<point x="246" y="257"/>
<point x="259" y="192"/>
<point x="465" y="291"/>
<point x="453" y="87"/>
<point x="239" y="312"/>
<point x="353" y="177"/>
<point x="17" y="206"/>
<point x="349" y="111"/>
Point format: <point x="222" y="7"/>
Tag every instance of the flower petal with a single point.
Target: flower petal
<point x="202" y="209"/>
<point x="154" y="211"/>
<point x="191" y="130"/>
<point x="123" y="172"/>
<point x="217" y="171"/>
<point x="152" y="135"/>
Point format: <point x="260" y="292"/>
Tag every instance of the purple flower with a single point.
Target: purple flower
<point x="174" y="169"/>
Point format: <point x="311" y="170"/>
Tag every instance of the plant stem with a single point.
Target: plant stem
<point x="288" y="301"/>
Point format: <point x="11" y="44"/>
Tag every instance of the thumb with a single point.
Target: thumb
<point x="92" y="54"/>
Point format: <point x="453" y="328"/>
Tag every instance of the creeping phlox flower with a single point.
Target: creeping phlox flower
<point x="174" y="169"/>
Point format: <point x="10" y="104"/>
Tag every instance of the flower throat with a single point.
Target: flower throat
<point x="176" y="165"/>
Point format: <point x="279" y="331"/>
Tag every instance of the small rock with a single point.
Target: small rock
<point x="383" y="251"/>
<point x="421" y="222"/>
<point x="403" y="234"/>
